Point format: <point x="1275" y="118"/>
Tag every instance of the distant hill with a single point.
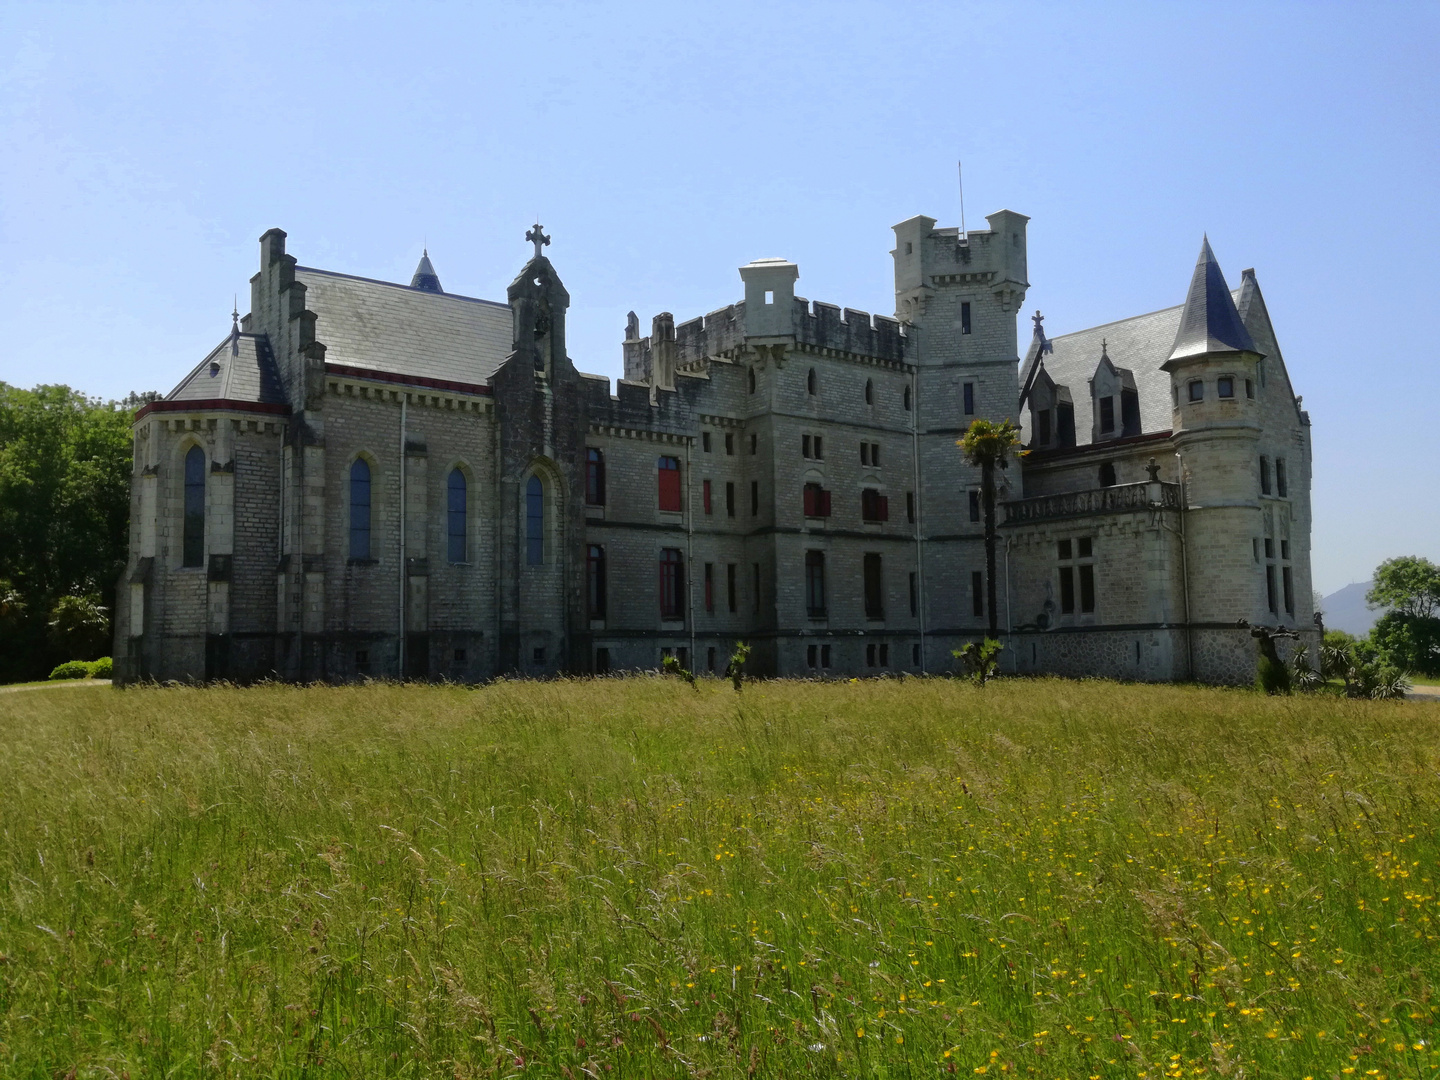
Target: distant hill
<point x="1345" y="610"/>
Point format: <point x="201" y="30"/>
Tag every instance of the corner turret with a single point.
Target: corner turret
<point x="425" y="276"/>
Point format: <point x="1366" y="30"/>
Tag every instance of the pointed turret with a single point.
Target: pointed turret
<point x="425" y="277"/>
<point x="1209" y="323"/>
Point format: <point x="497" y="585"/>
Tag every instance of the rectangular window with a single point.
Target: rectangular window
<point x="1285" y="550"/>
<point x="1287" y="579"/>
<point x="874" y="506"/>
<point x="1042" y="426"/>
<point x="1087" y="587"/>
<point x="669" y="471"/>
<point x="754" y="498"/>
<point x="1269" y="548"/>
<point x="730" y="586"/>
<point x="910" y="507"/>
<point x="1270" y="586"/>
<point x="819" y="447"/>
<point x="914" y="593"/>
<point x="705" y="441"/>
<point x="974" y="506"/>
<point x="594" y="477"/>
<point x="825" y="656"/>
<point x="874" y="588"/>
<point x="595" y="580"/>
<point x="864" y="453"/>
<point x="1064" y="550"/>
<point x="1084" y="544"/>
<point x="729" y="498"/>
<point x="1255" y="547"/>
<point x="755" y="581"/>
<point x="710" y="658"/>
<point x="812" y="655"/>
<point x="875" y="455"/>
<point x="672" y="589"/>
<point x="1107" y="415"/>
<point x="1197" y="391"/>
<point x="969" y="399"/>
<point x="1067" y="590"/>
<point x="1249" y="388"/>
<point x="884" y="655"/>
<point x="730" y="443"/>
<point x="965" y="317"/>
<point x="870" y="655"/>
<point x="805" y="446"/>
<point x="753" y="444"/>
<point x="1282" y="482"/>
<point x="705" y="494"/>
<point x="815" y="584"/>
<point x="1264" y="476"/>
<point x="914" y="655"/>
<point x="977" y="593"/>
<point x="816" y="501"/>
<point x="710" y="587"/>
<point x="1225" y="387"/>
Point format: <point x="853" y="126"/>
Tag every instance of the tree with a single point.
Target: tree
<point x="988" y="445"/>
<point x="64" y="514"/>
<point x="1409" y="585"/>
<point x="1408" y="642"/>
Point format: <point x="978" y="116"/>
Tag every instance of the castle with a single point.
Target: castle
<point x="367" y="478"/>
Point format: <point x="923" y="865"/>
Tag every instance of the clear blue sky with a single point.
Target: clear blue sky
<point x="144" y="148"/>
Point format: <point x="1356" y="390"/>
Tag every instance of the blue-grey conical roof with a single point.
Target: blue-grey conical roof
<point x="1209" y="322"/>
<point x="425" y="276"/>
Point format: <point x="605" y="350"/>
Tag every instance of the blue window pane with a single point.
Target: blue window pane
<point x="360" y="509"/>
<point x="194" y="547"/>
<point x="455" y="502"/>
<point x="534" y="522"/>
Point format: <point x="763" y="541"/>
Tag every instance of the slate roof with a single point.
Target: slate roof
<point x="406" y="331"/>
<point x="1141" y="343"/>
<point x="1210" y="322"/>
<point x="249" y="376"/>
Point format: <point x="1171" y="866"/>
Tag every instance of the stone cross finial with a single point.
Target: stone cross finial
<point x="235" y="328"/>
<point x="1153" y="471"/>
<point x="1037" y="319"/>
<point x="538" y="238"/>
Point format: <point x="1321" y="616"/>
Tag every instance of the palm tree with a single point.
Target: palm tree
<point x="988" y="445"/>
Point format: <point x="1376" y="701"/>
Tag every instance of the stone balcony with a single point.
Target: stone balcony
<point x="1149" y="495"/>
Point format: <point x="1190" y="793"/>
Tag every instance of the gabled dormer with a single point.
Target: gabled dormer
<point x="1114" y="400"/>
<point x="1052" y="412"/>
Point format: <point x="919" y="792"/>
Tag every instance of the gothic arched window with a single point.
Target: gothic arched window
<point x="534" y="521"/>
<point x="455" y="515"/>
<point x="751" y="375"/>
<point x="360" y="509"/>
<point x="194" y="550"/>
<point x="907" y="399"/>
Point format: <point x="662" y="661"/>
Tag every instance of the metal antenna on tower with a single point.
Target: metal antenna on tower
<point x="964" y="233"/>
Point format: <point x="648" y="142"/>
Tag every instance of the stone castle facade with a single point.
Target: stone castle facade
<point x="373" y="479"/>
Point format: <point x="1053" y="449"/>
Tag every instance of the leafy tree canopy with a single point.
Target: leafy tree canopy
<point x="1409" y="585"/>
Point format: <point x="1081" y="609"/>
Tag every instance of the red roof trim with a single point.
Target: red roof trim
<point x="213" y="405"/>
<point x="407" y="380"/>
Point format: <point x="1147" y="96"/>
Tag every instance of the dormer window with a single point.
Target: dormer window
<point x="1197" y="391"/>
<point x="1107" y="415"/>
<point x="1225" y="386"/>
<point x="1042" y="427"/>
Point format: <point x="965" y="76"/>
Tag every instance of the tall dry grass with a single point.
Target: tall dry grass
<point x="628" y="878"/>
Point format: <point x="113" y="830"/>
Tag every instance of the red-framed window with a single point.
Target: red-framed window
<point x="706" y="490"/>
<point x="671" y="587"/>
<point x="594" y="477"/>
<point x="817" y="501"/>
<point x="873" y="505"/>
<point x="669" y="470"/>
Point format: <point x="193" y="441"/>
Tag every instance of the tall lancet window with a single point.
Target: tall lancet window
<point x="194" y="550"/>
<point x="455" y="515"/>
<point x="534" y="521"/>
<point x="360" y="509"/>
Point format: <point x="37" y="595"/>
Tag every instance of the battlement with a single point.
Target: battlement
<point x="826" y="326"/>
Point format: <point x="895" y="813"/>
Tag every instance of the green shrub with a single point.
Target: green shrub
<point x="103" y="668"/>
<point x="1271" y="675"/>
<point x="71" y="669"/>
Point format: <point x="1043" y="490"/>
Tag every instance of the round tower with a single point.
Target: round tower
<point x="1216" y="427"/>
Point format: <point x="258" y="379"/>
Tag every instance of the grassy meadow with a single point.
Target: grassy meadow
<point x="628" y="878"/>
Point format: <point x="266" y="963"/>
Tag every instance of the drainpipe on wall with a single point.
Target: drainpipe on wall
<point x="919" y="521"/>
<point x="1009" y="621"/>
<point x="404" y="399"/>
<point x="1185" y="571"/>
<point x="690" y="554"/>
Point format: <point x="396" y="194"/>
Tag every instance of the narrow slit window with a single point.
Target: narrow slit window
<point x="360" y="509"/>
<point x="194" y="544"/>
<point x="595" y="580"/>
<point x="965" y="317"/>
<point x="534" y="521"/>
<point x="455" y="501"/>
